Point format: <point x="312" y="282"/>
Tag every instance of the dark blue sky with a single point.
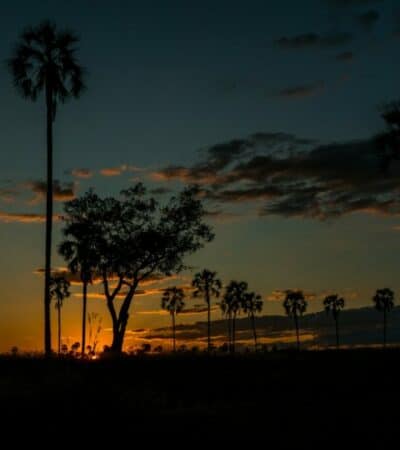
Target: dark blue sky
<point x="169" y="78"/>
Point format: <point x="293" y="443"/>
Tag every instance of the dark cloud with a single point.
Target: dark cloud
<point x="368" y="19"/>
<point x="301" y="91"/>
<point x="61" y="191"/>
<point x="314" y="40"/>
<point x="354" y="2"/>
<point x="345" y="56"/>
<point x="81" y="173"/>
<point x="295" y="177"/>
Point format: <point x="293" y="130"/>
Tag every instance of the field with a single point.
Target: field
<point x="282" y="398"/>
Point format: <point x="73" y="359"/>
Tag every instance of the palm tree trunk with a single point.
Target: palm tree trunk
<point x="208" y="323"/>
<point x="296" y="324"/>
<point x="384" y="328"/>
<point x="49" y="217"/>
<point x="233" y="332"/>
<point x="229" y="332"/>
<point x="173" y="332"/>
<point x="59" y="329"/>
<point x="84" y="298"/>
<point x="253" y="325"/>
<point x="337" y="332"/>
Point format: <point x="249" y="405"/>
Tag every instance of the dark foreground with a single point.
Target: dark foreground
<point x="307" y="400"/>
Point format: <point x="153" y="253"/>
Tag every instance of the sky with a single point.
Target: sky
<point x="270" y="106"/>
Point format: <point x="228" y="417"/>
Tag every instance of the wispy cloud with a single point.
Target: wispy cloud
<point x="7" y="217"/>
<point x="82" y="173"/>
<point x="119" y="170"/>
<point x="302" y="90"/>
<point x="314" y="40"/>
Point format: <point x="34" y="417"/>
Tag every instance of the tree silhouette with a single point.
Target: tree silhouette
<point x="79" y="247"/>
<point x="231" y="305"/>
<point x="384" y="301"/>
<point x="59" y="290"/>
<point x="173" y="301"/>
<point x="295" y="306"/>
<point x="134" y="239"/>
<point x="252" y="304"/>
<point x="333" y="304"/>
<point x="207" y="285"/>
<point x="44" y="60"/>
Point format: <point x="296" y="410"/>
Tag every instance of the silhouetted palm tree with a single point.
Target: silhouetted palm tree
<point x="384" y="301"/>
<point x="206" y="284"/>
<point x="252" y="305"/>
<point x="81" y="257"/>
<point x="295" y="306"/>
<point x="333" y="304"/>
<point x="173" y="302"/>
<point x="59" y="289"/>
<point x="231" y="305"/>
<point x="45" y="60"/>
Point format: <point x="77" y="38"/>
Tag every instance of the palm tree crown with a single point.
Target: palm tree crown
<point x="333" y="304"/>
<point x="206" y="283"/>
<point x="252" y="303"/>
<point x="234" y="297"/>
<point x="384" y="299"/>
<point x="173" y="300"/>
<point x="295" y="304"/>
<point x="59" y="289"/>
<point x="45" y="57"/>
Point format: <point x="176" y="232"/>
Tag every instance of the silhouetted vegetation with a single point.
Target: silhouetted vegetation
<point x="173" y="302"/>
<point x="252" y="305"/>
<point x="384" y="302"/>
<point x="59" y="290"/>
<point x="333" y="304"/>
<point x="44" y="60"/>
<point x="295" y="306"/>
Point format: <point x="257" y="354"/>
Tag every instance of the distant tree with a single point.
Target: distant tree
<point x="388" y="142"/>
<point x="252" y="305"/>
<point x="173" y="302"/>
<point x="44" y="60"/>
<point x="75" y="348"/>
<point x="79" y="246"/>
<point x="135" y="239"/>
<point x="295" y="306"/>
<point x="14" y="351"/>
<point x="333" y="304"/>
<point x="384" y="302"/>
<point x="207" y="285"/>
<point x="64" y="349"/>
<point x="95" y="327"/>
<point x="231" y="306"/>
<point x="59" y="290"/>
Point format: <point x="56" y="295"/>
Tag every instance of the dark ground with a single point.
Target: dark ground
<point x="282" y="399"/>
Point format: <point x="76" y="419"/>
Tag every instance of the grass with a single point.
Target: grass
<point x="283" y="398"/>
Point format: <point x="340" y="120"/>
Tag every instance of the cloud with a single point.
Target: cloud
<point x="119" y="170"/>
<point x="7" y="195"/>
<point x="301" y="91"/>
<point x="6" y="217"/>
<point x="82" y="173"/>
<point x="354" y="2"/>
<point x="368" y="19"/>
<point x="345" y="56"/>
<point x="314" y="40"/>
<point x="294" y="177"/>
<point x="61" y="191"/>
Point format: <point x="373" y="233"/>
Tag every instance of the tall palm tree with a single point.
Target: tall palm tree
<point x="252" y="305"/>
<point x="44" y="60"/>
<point x="206" y="284"/>
<point x="231" y="306"/>
<point x="173" y="302"/>
<point x="59" y="290"/>
<point x="295" y="306"/>
<point x="78" y="250"/>
<point x="333" y="304"/>
<point x="384" y="301"/>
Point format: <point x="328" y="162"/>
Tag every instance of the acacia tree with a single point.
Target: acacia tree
<point x="252" y="304"/>
<point x="173" y="301"/>
<point x="59" y="290"/>
<point x="208" y="285"/>
<point x="134" y="238"/>
<point x="231" y="305"/>
<point x="295" y="306"/>
<point x="44" y="59"/>
<point x="333" y="304"/>
<point x="384" y="302"/>
<point x="79" y="247"/>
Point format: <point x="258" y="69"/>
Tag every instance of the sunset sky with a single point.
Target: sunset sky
<point x="270" y="106"/>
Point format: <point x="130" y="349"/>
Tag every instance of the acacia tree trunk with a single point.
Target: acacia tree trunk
<point x="296" y="324"/>
<point x="84" y="301"/>
<point x="173" y="332"/>
<point x="49" y="217"/>
<point x="59" y="328"/>
<point x="253" y="325"/>
<point x="208" y="322"/>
